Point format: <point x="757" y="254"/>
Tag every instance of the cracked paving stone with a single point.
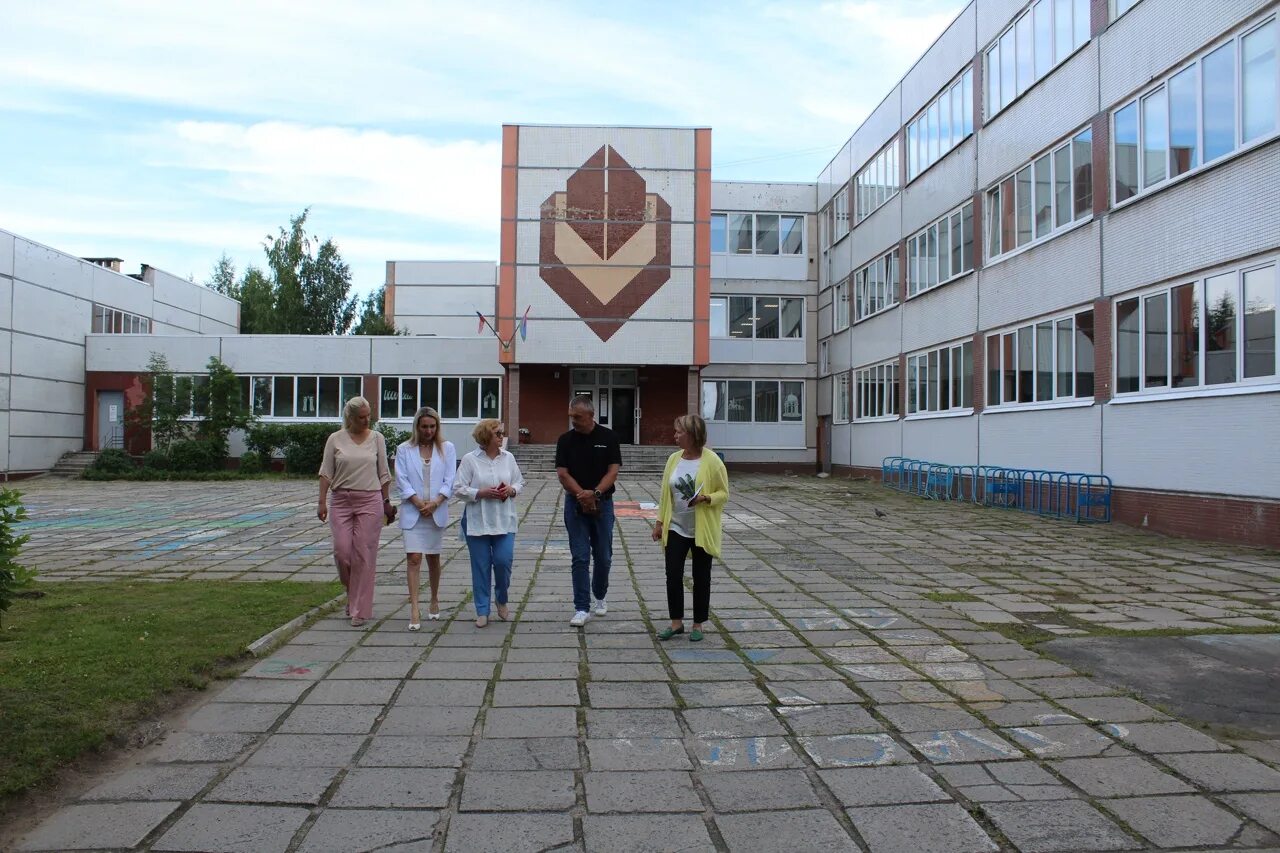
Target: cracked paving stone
<point x="1065" y="741"/>
<point x="540" y="753"/>
<point x="1179" y="821"/>
<point x="372" y="829"/>
<point x="644" y="791"/>
<point x="1119" y="777"/>
<point x="875" y="786"/>
<point x="97" y="825"/>
<point x="300" y="785"/>
<point x="776" y="832"/>
<point x="233" y="829"/>
<point x="395" y="787"/>
<point x="515" y="832"/>
<point x="1058" y="826"/>
<point x="940" y="827"/>
<point x="517" y="790"/>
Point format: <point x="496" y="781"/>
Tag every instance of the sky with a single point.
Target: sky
<point x="170" y="133"/>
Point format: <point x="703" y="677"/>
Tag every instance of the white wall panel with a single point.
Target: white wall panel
<point x="841" y="442"/>
<point x="46" y="395"/>
<point x="637" y="342"/>
<point x="802" y="461"/>
<point x="301" y="354"/>
<point x="877" y="234"/>
<point x="4" y="441"/>
<point x="643" y="147"/>
<point x="836" y="175"/>
<point x="445" y="272"/>
<point x="782" y="267"/>
<point x="535" y="186"/>
<point x="992" y="18"/>
<point x="476" y="356"/>
<point x="945" y="186"/>
<point x="50" y="314"/>
<point x="6" y="253"/>
<point x="1226" y="213"/>
<point x="870" y="443"/>
<point x="1064" y="272"/>
<point x="946" y="313"/>
<point x="52" y="269"/>
<point x="46" y="425"/>
<point x="941" y="63"/>
<point x="48" y="359"/>
<point x="1216" y="445"/>
<point x="443" y="300"/>
<point x="764" y="287"/>
<point x="6" y="303"/>
<point x="174" y="291"/>
<point x="874" y="134"/>
<point x="877" y="339"/>
<point x="751" y="351"/>
<point x="5" y="382"/>
<point x="6" y="352"/>
<point x="1050" y="439"/>
<point x="840" y="350"/>
<point x="124" y="353"/>
<point x="723" y="435"/>
<point x="220" y="310"/>
<point x="951" y="441"/>
<point x="210" y="326"/>
<point x="120" y="291"/>
<point x="764" y="196"/>
<point x="42" y="452"/>
<point x="170" y="320"/>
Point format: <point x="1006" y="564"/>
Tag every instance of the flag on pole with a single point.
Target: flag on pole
<point x="480" y="328"/>
<point x="524" y="323"/>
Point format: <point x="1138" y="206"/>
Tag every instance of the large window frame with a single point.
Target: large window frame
<point x="842" y="397"/>
<point x="113" y="321"/>
<point x="1039" y="39"/>
<point x="293" y="396"/>
<point x="1025" y="362"/>
<point x="840" y="306"/>
<point x="766" y="234"/>
<point x="877" y="182"/>
<point x="456" y="398"/>
<point x="875" y="287"/>
<point x="1169" y="344"/>
<point x="1152" y="147"/>
<point x="936" y="129"/>
<point x="1038" y="192"/>
<point x="753" y="401"/>
<point x="768" y="317"/>
<point x="940" y="381"/>
<point x="876" y="392"/>
<point x="928" y="266"/>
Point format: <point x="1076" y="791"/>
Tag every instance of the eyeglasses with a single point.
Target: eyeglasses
<point x="499" y="432"/>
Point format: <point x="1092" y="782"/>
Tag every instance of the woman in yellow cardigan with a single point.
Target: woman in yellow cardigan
<point x="695" y="488"/>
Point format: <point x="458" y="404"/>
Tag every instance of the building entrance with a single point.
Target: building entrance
<point x="616" y="396"/>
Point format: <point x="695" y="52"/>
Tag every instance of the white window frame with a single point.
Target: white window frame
<point x="840" y="306"/>
<point x="877" y="182"/>
<point x="868" y="290"/>
<point x="722" y="390"/>
<point x="1239" y="145"/>
<point x="439" y="379"/>
<point x="1053" y="399"/>
<point x="918" y="257"/>
<point x="876" y="392"/>
<point x="755" y="233"/>
<point x="993" y="55"/>
<point x="1120" y="7"/>
<point x="755" y="316"/>
<point x="1241" y="384"/>
<point x="344" y="381"/>
<point x="926" y="148"/>
<point x="106" y="319"/>
<point x="994" y="210"/>
<point x="842" y="397"/>
<point x="919" y="367"/>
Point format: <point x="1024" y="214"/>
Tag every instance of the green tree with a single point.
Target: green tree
<point x="13" y="576"/>
<point x="373" y="318"/>
<point x="312" y="288"/>
<point x="257" y="303"/>
<point x="223" y="278"/>
<point x="224" y="407"/>
<point x="165" y="405"/>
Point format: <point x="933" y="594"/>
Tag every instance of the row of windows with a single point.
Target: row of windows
<point x="941" y="252"/>
<point x="875" y="286"/>
<point x="297" y="396"/>
<point x="1041" y="197"/>
<point x="110" y="321"/>
<point x="757" y="234"/>
<point x="941" y="126"/>
<point x="764" y="317"/>
<point x="878" y="182"/>
<point x="1043" y="36"/>
<point x="752" y="401"/>
<point x="453" y="397"/>
<point x="940" y="379"/>
<point x="1212" y="332"/>
<point x="1222" y="100"/>
<point x="875" y="391"/>
<point x="835" y="217"/>
<point x="1042" y="362"/>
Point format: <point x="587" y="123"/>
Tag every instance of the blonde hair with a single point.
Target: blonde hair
<point x="428" y="412"/>
<point x="695" y="427"/>
<point x="484" y="431"/>
<point x="354" y="405"/>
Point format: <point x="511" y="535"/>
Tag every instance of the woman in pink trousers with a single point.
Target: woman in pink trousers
<point x="354" y="469"/>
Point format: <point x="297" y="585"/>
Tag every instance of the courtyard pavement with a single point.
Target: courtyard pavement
<point x="858" y="688"/>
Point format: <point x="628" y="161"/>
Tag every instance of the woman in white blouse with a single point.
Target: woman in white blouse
<point x="425" y="466"/>
<point x="487" y="480"/>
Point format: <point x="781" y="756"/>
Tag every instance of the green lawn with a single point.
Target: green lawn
<point x="87" y="660"/>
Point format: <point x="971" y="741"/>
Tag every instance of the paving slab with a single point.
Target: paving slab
<point x="776" y="832"/>
<point x="97" y="826"/>
<point x="233" y="829"/>
<point x="929" y="828"/>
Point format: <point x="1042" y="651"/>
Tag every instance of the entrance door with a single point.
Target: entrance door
<point x="623" y="406"/>
<point x="110" y="419"/>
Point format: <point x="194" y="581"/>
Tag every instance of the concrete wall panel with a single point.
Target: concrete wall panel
<point x="874" y="134"/>
<point x="946" y="313"/>
<point x="6" y="253"/>
<point x="52" y="269"/>
<point x="763" y="352"/>
<point x="46" y="395"/>
<point x="296" y="354"/>
<point x="876" y="234"/>
<point x="941" y="63"/>
<point x="436" y="357"/>
<point x="643" y="147"/>
<point x="444" y="300"/>
<point x="877" y="339"/>
<point x="764" y="196"/>
<point x="46" y="425"/>
<point x="47" y="359"/>
<point x="942" y="188"/>
<point x="126" y="353"/>
<point x="780" y="267"/>
<point x="6" y="302"/>
<point x="40" y="453"/>
<point x="120" y="291"/>
<point x="50" y="314"/>
<point x="952" y="441"/>
<point x="869" y="443"/>
<point x="535" y="186"/>
<point x="1064" y="272"/>
<point x="1051" y="439"/>
<point x="723" y="436"/>
<point x="445" y="272"/>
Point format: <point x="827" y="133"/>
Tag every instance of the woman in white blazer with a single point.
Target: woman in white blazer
<point x="425" y="467"/>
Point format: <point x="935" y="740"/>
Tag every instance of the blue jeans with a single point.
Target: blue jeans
<point x="589" y="536"/>
<point x="491" y="558"/>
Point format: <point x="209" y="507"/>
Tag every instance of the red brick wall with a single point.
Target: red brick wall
<point x="136" y="440"/>
<point x="979" y="378"/>
<point x="544" y="401"/>
<point x="1101" y="162"/>
<point x="1102" y="350"/>
<point x="664" y="397"/>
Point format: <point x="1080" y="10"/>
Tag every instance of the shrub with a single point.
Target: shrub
<point x="155" y="460"/>
<point x="266" y="439"/>
<point x="395" y="437"/>
<point x="305" y="448"/>
<point x="12" y="576"/>
<point x="113" y="461"/>
<point x="250" y="463"/>
<point x="195" y="455"/>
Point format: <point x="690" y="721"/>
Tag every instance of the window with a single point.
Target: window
<point x="298" y="396"/>
<point x="875" y="286"/>
<point x="876" y="391"/>
<point x="1210" y="107"/>
<point x="840" y="214"/>
<point x="1212" y="332"/>
<point x="109" y="321"/>
<point x="940" y="380"/>
<point x="941" y="126"/>
<point x="454" y="397"/>
<point x="1119" y="7"/>
<point x="1041" y="37"/>
<point x="753" y="401"/>
<point x="757" y="233"/>
<point x="840" y="306"/>
<point x="1043" y="362"/>
<point x="762" y="317"/>
<point x="878" y="181"/>
<point x="1043" y="197"/>
<point x="941" y="252"/>
<point x="842" y="402"/>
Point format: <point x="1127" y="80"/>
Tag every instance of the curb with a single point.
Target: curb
<point x="268" y="641"/>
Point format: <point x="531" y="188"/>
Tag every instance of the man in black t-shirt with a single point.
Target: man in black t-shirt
<point x="588" y="458"/>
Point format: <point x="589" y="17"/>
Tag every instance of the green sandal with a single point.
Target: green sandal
<point x="695" y="635"/>
<point x="668" y="633"/>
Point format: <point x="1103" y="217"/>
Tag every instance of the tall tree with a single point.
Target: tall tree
<point x="311" y="289"/>
<point x="223" y="278"/>
<point x="373" y="318"/>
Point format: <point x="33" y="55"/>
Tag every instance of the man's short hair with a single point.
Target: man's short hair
<point x="583" y="401"/>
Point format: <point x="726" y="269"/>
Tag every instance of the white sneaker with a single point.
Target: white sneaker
<point x="600" y="607"/>
<point x="579" y="619"/>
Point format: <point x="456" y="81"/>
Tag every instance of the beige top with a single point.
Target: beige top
<point x="348" y="465"/>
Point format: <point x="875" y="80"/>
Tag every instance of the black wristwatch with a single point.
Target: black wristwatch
<point x="596" y="492"/>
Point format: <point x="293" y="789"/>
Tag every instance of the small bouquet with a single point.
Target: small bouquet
<point x="686" y="489"/>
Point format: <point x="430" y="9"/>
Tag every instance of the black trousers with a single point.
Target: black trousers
<point x="678" y="547"/>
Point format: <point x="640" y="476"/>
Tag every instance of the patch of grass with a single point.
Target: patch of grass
<point x="950" y="596"/>
<point x="1096" y="630"/>
<point x="82" y="664"/>
<point x="1020" y="632"/>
